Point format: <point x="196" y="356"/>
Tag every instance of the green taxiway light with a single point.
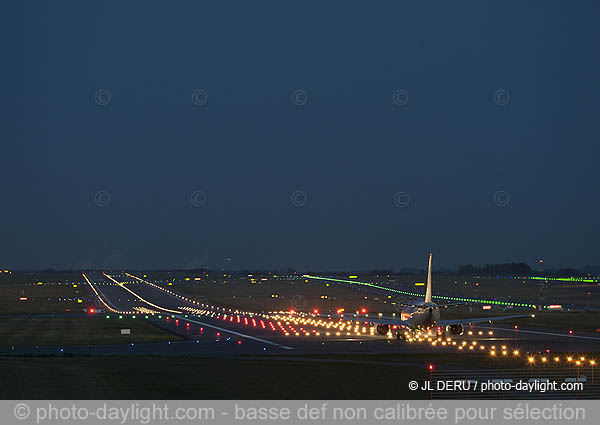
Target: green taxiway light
<point x="565" y="279"/>
<point x="413" y="294"/>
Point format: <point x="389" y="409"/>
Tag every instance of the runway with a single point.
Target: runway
<point x="211" y="330"/>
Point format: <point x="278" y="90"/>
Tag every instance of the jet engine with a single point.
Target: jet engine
<point x="383" y="329"/>
<point x="456" y="329"/>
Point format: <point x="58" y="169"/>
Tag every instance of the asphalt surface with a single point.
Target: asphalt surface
<point x="213" y="332"/>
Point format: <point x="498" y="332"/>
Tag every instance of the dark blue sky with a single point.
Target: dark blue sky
<point x="494" y="138"/>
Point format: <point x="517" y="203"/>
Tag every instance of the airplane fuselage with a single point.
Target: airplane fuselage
<point x="422" y="317"/>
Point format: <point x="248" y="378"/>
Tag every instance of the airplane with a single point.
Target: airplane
<point x="424" y="316"/>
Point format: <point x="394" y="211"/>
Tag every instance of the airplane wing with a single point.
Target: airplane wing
<point x="398" y="321"/>
<point x="479" y="320"/>
<point x="370" y="319"/>
<point x="450" y="305"/>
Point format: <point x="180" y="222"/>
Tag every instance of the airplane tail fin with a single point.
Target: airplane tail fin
<point x="428" y="290"/>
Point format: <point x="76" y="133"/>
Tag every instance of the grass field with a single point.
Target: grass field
<point x="43" y="298"/>
<point x="576" y="321"/>
<point x="279" y="295"/>
<point x="310" y="377"/>
<point x="534" y="291"/>
<point x="199" y="378"/>
<point x="86" y="330"/>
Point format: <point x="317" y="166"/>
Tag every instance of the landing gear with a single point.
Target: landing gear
<point x="405" y="334"/>
<point x="382" y="329"/>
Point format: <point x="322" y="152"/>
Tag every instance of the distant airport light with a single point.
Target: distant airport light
<point x="92" y="311"/>
<point x="316" y="311"/>
<point x="430" y="367"/>
<point x="487" y="307"/>
<point x="363" y="310"/>
<point x="570" y="332"/>
<point x="23" y="299"/>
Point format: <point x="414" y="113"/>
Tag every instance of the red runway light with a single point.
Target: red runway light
<point x="570" y="332"/>
<point x="516" y="327"/>
<point x="239" y="342"/>
<point x="363" y="310"/>
<point x="315" y="311"/>
<point x="430" y="367"/>
<point x="92" y="311"/>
